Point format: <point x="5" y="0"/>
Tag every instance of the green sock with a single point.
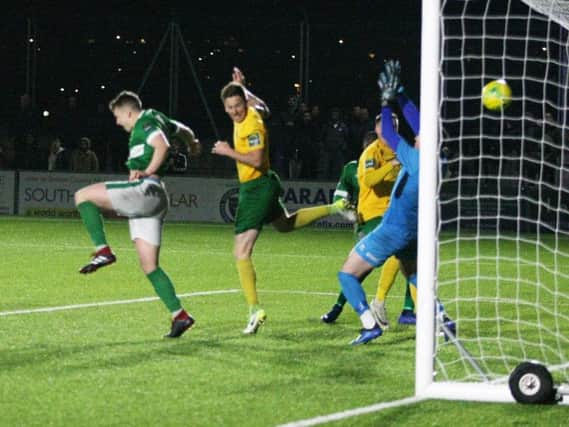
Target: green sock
<point x="408" y="304"/>
<point x="91" y="216"/>
<point x="341" y="300"/>
<point x="165" y="289"/>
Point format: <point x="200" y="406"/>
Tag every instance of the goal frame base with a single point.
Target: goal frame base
<point x="476" y="392"/>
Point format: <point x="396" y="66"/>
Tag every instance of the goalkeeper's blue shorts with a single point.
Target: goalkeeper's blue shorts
<point x="385" y="241"/>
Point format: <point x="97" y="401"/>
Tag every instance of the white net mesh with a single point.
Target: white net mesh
<point x="503" y="271"/>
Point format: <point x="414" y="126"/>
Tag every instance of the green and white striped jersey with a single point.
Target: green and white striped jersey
<point x="148" y="124"/>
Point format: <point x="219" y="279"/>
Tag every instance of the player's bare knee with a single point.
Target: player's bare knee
<point x="243" y="250"/>
<point x="148" y="267"/>
<point x="79" y="197"/>
<point x="241" y="253"/>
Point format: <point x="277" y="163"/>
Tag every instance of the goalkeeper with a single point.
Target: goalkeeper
<point x="397" y="232"/>
<point x="369" y="182"/>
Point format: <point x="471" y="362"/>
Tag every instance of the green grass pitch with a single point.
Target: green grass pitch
<point x="108" y="364"/>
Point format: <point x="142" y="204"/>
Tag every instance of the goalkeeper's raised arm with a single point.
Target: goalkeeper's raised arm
<point x="391" y="89"/>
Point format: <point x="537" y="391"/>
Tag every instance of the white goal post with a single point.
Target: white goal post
<point x="494" y="229"/>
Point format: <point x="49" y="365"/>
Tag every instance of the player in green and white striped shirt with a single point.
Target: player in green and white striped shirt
<point x="143" y="198"/>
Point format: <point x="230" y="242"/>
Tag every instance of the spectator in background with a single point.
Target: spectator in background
<point x="84" y="159"/>
<point x="285" y="150"/>
<point x="71" y="122"/>
<point x="307" y="141"/>
<point x="360" y="124"/>
<point x="57" y="157"/>
<point x="26" y="149"/>
<point x="335" y="143"/>
<point x="316" y="118"/>
<point x="178" y="158"/>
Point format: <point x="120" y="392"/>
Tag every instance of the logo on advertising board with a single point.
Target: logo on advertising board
<point x="228" y="204"/>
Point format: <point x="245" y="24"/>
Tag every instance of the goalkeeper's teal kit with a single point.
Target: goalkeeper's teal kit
<point x="397" y="233"/>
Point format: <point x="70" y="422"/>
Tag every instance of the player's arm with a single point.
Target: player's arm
<point x="388" y="132"/>
<point x="252" y="99"/>
<point x="410" y="112"/>
<point x="372" y="177"/>
<point x="160" y="145"/>
<point x="252" y="158"/>
<point x="391" y="89"/>
<point x="187" y="136"/>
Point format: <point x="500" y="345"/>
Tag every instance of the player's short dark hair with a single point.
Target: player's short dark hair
<point x="233" y="89"/>
<point x="369" y="137"/>
<point x="126" y="97"/>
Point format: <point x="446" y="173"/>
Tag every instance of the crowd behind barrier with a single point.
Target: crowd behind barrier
<point x="305" y="143"/>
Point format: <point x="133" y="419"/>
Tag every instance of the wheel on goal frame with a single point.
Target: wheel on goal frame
<point x="531" y="382"/>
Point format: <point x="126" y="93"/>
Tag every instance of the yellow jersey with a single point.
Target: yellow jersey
<point x="373" y="200"/>
<point x="251" y="135"/>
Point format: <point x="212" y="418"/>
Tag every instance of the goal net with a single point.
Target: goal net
<point x="501" y="203"/>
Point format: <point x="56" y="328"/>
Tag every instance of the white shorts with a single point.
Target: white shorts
<point x="145" y="203"/>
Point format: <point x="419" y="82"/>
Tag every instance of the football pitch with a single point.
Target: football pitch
<point x="96" y="356"/>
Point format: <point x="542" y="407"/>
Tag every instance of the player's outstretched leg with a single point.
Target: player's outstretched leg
<point x="338" y="307"/>
<point x="306" y="216"/>
<point x="355" y="294"/>
<point x="91" y="216"/>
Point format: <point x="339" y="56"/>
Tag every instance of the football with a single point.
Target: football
<point x="496" y="95"/>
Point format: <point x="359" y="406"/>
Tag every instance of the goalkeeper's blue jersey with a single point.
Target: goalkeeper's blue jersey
<point x="403" y="209"/>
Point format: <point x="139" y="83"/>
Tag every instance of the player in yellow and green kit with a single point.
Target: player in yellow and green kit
<point x="369" y="181"/>
<point x="259" y="188"/>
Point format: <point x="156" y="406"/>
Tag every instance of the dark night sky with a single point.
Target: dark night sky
<point x="78" y="49"/>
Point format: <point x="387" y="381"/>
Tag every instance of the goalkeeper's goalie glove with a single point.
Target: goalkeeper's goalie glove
<point x="389" y="82"/>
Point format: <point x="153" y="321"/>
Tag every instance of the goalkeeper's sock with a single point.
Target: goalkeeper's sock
<point x="387" y="278"/>
<point x="248" y="280"/>
<point x="408" y="303"/>
<point x="368" y="322"/>
<point x="341" y="301"/>
<point x="305" y="216"/>
<point x="352" y="289"/>
<point x="164" y="289"/>
<point x="91" y="216"/>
